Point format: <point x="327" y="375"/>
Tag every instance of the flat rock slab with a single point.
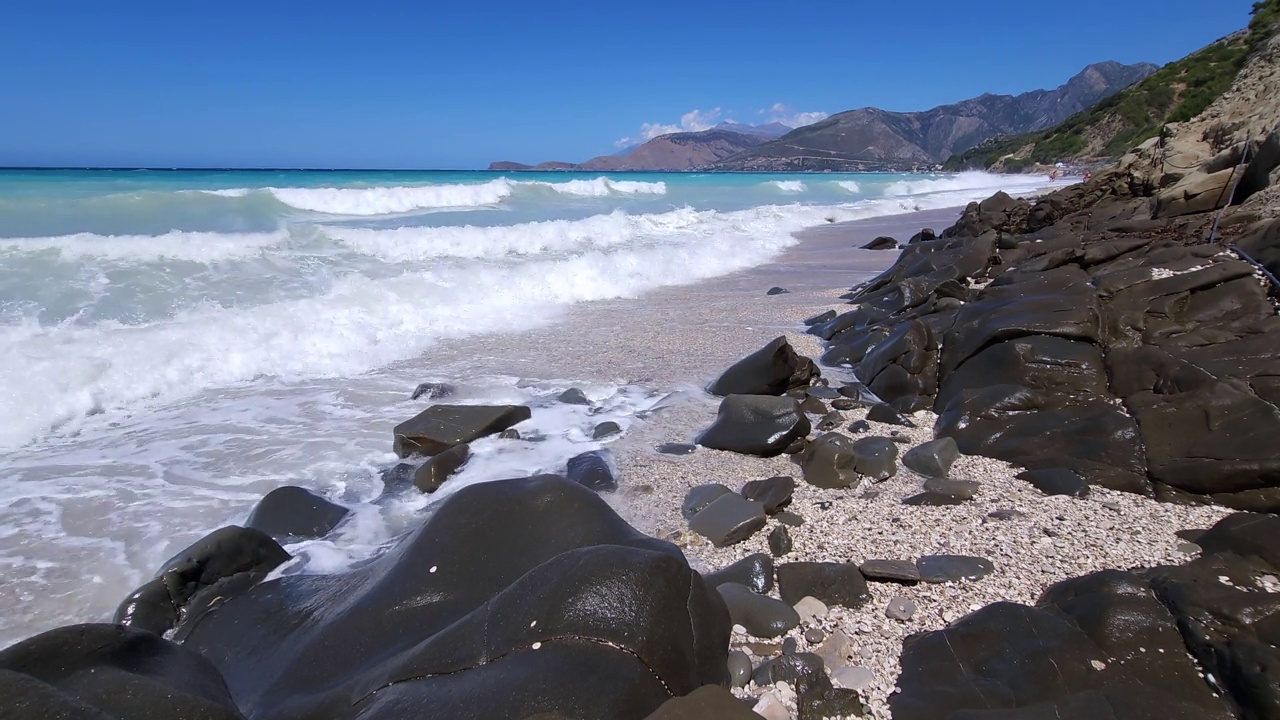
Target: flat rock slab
<point x="710" y="702"/>
<point x="754" y="571"/>
<point x="903" y="571"/>
<point x="962" y="489"/>
<point x="882" y="413"/>
<point x="775" y="492"/>
<point x="1056" y="481"/>
<point x="761" y="615"/>
<point x="291" y="512"/>
<point x="701" y="496"/>
<point x="933" y="499"/>
<point x="440" y="468"/>
<point x="605" y="429"/>
<point x="832" y="583"/>
<point x="728" y="519"/>
<point x="933" y="458"/>
<point x="574" y="396"/>
<point x="819" y="318"/>
<point x="441" y="427"/>
<point x="675" y="448"/>
<point x="953" y="568"/>
<point x="756" y="425"/>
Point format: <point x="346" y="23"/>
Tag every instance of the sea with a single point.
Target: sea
<point x="175" y="344"/>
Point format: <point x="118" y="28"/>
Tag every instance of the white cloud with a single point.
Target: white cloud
<point x="784" y="114"/>
<point x="693" y="121"/>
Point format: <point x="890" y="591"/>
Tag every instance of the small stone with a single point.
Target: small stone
<point x="859" y="427"/>
<point x="846" y="404"/>
<point x="739" y="669"/>
<point x="592" y="470"/>
<point x="796" y="447"/>
<point x="853" y="677"/>
<point x="761" y="615"/>
<point x="605" y="429"/>
<point x="814" y="635"/>
<point x="1113" y="506"/>
<point x="932" y="459"/>
<point x="1188" y="548"/>
<point x="770" y="707"/>
<point x="790" y="646"/>
<point x="822" y="392"/>
<point x="675" y="448"/>
<point x="728" y="519"/>
<point x="830" y="421"/>
<point x="574" y="396"/>
<point x="786" y="670"/>
<point x="1006" y="514"/>
<point x="779" y="541"/>
<point x="777" y="291"/>
<point x="701" y="496"/>
<point x="433" y="391"/>
<point x="900" y="608"/>
<point x="882" y="413"/>
<point x="813" y="406"/>
<point x="836" y="651"/>
<point x="438" y="469"/>
<point x="811" y="609"/>
<point x="1056" y="481"/>
<point x="904" y="571"/>
<point x="963" y="489"/>
<point x="775" y="492"/>
<point x="509" y="434"/>
<point x="754" y="571"/>
<point x="953" y="568"/>
<point x="786" y="517"/>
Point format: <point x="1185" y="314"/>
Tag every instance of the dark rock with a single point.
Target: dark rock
<point x="433" y="391"/>
<point x="813" y="636"/>
<point x="532" y="585"/>
<point x="790" y="646"/>
<point x="1056" y="481"/>
<point x="932" y="459"/>
<point x="675" y="448"/>
<point x="817" y="699"/>
<point x="701" y="496"/>
<point x="822" y="392"/>
<point x="440" y="468"/>
<point x="857" y="391"/>
<point x="788" y="668"/>
<point x="846" y="404"/>
<point x="925" y="235"/>
<point x="859" y="427"/>
<point x="813" y="406"/>
<point x="739" y="668"/>
<point x="832" y="583"/>
<point x="830" y="462"/>
<point x="441" y="427"/>
<point x="797" y="446"/>
<point x="606" y="429"/>
<point x="963" y="489"/>
<point x="903" y="571"/>
<point x="934" y="499"/>
<point x="756" y="425"/>
<point x="761" y="615"/>
<point x="593" y="471"/>
<point x="882" y="413"/>
<point x="709" y="702"/>
<point x="728" y="519"/>
<point x="777" y="291"/>
<point x="509" y="434"/>
<point x="829" y="422"/>
<point x="875" y="457"/>
<point x="755" y="571"/>
<point x="952" y="568"/>
<point x="881" y="243"/>
<point x="820" y="318"/>
<point x="774" y="493"/>
<point x="789" y="518"/>
<point x="289" y="512"/>
<point x="574" y="396"/>
<point x="224" y="563"/>
<point x="1006" y="514"/>
<point x="900" y="608"/>
<point x="397" y="477"/>
<point x="771" y="370"/>
<point x="95" y="672"/>
<point x="1245" y="534"/>
<point x="779" y="541"/>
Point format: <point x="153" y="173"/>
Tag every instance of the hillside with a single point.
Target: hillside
<point x="673" y="151"/>
<point x="1176" y="93"/>
<point x="870" y="138"/>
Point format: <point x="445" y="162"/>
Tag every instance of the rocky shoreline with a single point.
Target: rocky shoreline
<point x="1007" y="490"/>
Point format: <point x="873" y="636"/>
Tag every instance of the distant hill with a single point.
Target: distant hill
<point x="675" y="151"/>
<point x="769" y="130"/>
<point x="871" y="138"/>
<point x="1176" y="93"/>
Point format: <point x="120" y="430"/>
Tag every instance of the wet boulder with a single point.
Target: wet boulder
<point x="756" y="425"/>
<point x="701" y="496"/>
<point x="881" y="243"/>
<point x="592" y="470"/>
<point x="441" y="427"/>
<point x="728" y="519"/>
<point x="932" y="459"/>
<point x="761" y="615"/>
<point x="293" y="513"/>
<point x="754" y="571"/>
<point x="833" y="583"/>
<point x="774" y="493"/>
<point x="434" y="472"/>
<point x="771" y="370"/>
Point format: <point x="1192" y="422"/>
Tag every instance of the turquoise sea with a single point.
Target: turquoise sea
<point x="173" y="344"/>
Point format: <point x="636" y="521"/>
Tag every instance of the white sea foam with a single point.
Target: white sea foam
<point x="203" y="247"/>
<point x="788" y="186"/>
<point x="392" y="200"/>
<point x="600" y="187"/>
<point x="849" y="185"/>
<point x="966" y="182"/>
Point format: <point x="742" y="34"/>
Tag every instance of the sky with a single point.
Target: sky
<point x="374" y="84"/>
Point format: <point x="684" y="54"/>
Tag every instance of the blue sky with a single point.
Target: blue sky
<point x="458" y="84"/>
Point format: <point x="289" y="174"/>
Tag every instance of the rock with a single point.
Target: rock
<point x="881" y="243"/>
<point x="770" y="707"/>
<point x="817" y="698"/>
<point x="756" y="425"/>
<point x="779" y="541"/>
<point x="787" y="669"/>
<point x="771" y="370"/>
<point x="882" y="413"/>
<point x="701" y="496"/>
<point x="777" y="291"/>
<point x="528" y="584"/>
<point x="226" y="562"/>
<point x="796" y="447"/>
<point x="830" y="462"/>
<point x="830" y="422"/>
<point x="789" y="519"/>
<point x="952" y="568"/>
<point x="933" y="458"/>
<point x="739" y="668"/>
<point x="813" y="636"/>
<point x="433" y="391"/>
<point x="289" y="513"/>
<point x="675" y="448"/>
<point x="820" y="318"/>
<point x="592" y="470"/>
<point x="813" y="406"/>
<point x="959" y="489"/>
<point x="900" y="608"/>
<point x="574" y="396"/>
<point x="728" y="519"/>
<point x="790" y="646"/>
<point x="903" y="571"/>
<point x="1056" y="481"/>
<point x="836" y="650"/>
<point x="1198" y="192"/>
<point x="606" y="429"/>
<point x="875" y="457"/>
<point x="397" y="477"/>
<point x="755" y="571"/>
<point x="761" y="615"/>
<point x="811" y="610"/>
<point x="93" y="672"/>
<point x="832" y="583"/>
<point x="1006" y="514"/>
<point x="509" y="434"/>
<point x="859" y="427"/>
<point x="438" y="469"/>
<point x="925" y="235"/>
<point x="845" y="404"/>
<point x="709" y="702"/>
<point x="822" y="392"/>
<point x="775" y="492"/>
<point x="857" y="391"/>
<point x="933" y="499"/>
<point x="441" y="427"/>
<point x="853" y="677"/>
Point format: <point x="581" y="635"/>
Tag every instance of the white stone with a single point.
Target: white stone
<point x="770" y="707"/>
<point x="811" y="609"/>
<point x="852" y="677"/>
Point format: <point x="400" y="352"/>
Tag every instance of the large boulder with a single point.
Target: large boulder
<point x="95" y="672"/>
<point x="756" y="425"/>
<point x="771" y="370"/>
<point x="294" y="513"/>
<point x="534" y="586"/>
<point x="441" y="427"/>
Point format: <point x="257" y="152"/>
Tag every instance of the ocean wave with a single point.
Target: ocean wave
<point x="849" y="185"/>
<point x="202" y="247"/>
<point x="393" y="199"/>
<point x="599" y="187"/>
<point x="968" y="182"/>
<point x="788" y="186"/>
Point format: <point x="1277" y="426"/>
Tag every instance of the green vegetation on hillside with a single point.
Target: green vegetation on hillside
<point x="1177" y="92"/>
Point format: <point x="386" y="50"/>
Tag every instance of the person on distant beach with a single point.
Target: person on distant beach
<point x="1053" y="176"/>
<point x="1087" y="175"/>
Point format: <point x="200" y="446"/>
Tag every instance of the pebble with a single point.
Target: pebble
<point x="811" y="610"/>
<point x="814" y="635"/>
<point x="890" y="570"/>
<point x="790" y="646"/>
<point x="739" y="668"/>
<point x="780" y="541"/>
<point x="770" y="707"/>
<point x="900" y="608"/>
<point x="786" y="517"/>
<point x="853" y="677"/>
<point x="672" y="448"/>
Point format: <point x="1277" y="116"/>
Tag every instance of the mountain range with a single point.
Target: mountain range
<point x="867" y="138"/>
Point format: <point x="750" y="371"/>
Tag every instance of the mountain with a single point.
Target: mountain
<point x="675" y="151"/>
<point x="871" y="138"/>
<point x="1176" y="93"/>
<point x="768" y="130"/>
